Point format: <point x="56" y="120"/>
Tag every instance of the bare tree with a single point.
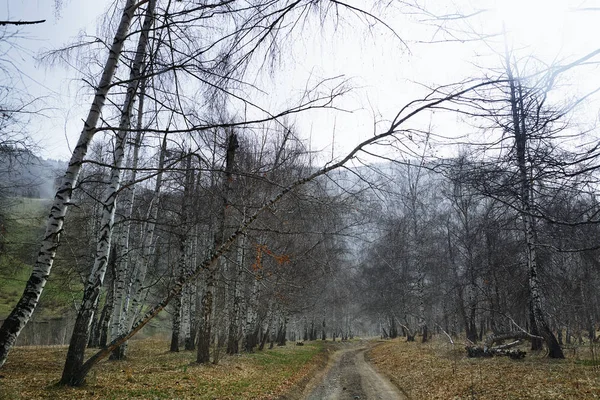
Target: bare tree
<point x="20" y="315"/>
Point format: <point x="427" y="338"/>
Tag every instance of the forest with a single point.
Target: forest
<point x="211" y="209"/>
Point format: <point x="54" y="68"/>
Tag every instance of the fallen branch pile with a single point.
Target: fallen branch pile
<point x="489" y="350"/>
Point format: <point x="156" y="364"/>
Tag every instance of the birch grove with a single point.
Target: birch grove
<point x="35" y="285"/>
<point x="202" y="207"/>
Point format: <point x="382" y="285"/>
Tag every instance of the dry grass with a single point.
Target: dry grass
<point x="152" y="373"/>
<point x="439" y="370"/>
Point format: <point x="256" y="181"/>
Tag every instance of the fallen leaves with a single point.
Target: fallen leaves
<point x="439" y="370"/>
<point x="150" y="372"/>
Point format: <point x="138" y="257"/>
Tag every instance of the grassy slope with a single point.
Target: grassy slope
<point x="439" y="371"/>
<point x="23" y="230"/>
<point x="153" y="373"/>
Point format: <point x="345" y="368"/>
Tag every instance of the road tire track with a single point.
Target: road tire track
<point x="349" y="376"/>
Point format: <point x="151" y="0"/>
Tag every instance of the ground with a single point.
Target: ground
<point x="317" y="370"/>
<point x="349" y="376"/>
<point x="151" y="372"/>
<point x="441" y="370"/>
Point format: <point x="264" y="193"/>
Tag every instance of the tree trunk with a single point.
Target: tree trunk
<point x="176" y="325"/>
<point x="282" y="331"/>
<point x="121" y="277"/>
<point x="76" y="350"/>
<point x="179" y="308"/>
<point x="104" y="324"/>
<point x="127" y="271"/>
<point x="233" y="337"/>
<point x="93" y="340"/>
<point x="147" y="244"/>
<point x="521" y="137"/>
<point x="190" y="334"/>
<point x="205" y="325"/>
<point x="194" y="306"/>
<point x="21" y="314"/>
<point x="207" y="300"/>
<point x="536" y="343"/>
<point x="252" y="329"/>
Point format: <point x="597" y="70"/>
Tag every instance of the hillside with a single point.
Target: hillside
<point x="23" y="225"/>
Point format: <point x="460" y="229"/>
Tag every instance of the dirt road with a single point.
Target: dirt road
<point x="349" y="376"/>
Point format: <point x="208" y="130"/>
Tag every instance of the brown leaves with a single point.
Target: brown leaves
<point x="261" y="249"/>
<point x="438" y="371"/>
<point x="152" y="372"/>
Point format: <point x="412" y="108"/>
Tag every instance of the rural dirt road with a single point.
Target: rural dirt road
<point x="349" y="376"/>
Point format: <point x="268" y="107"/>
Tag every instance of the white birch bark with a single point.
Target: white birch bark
<point x="185" y="313"/>
<point x="194" y="309"/>
<point x="148" y="230"/>
<point x="251" y="337"/>
<point x="119" y="289"/>
<point x="127" y="270"/>
<point x="91" y="292"/>
<point x="21" y="314"/>
<point x="521" y="138"/>
<point x="181" y="313"/>
<point x="234" y="317"/>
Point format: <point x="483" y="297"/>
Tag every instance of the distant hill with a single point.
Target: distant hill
<point x="23" y="174"/>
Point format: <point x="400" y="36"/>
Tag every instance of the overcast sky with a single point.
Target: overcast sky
<point x="385" y="72"/>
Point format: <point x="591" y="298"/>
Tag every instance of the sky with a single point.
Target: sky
<point x="385" y="72"/>
<point x="56" y="87"/>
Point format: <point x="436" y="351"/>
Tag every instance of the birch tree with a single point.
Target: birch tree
<point x="403" y="117"/>
<point x="206" y="320"/>
<point x="91" y="292"/>
<point x="124" y="276"/>
<point x="21" y="314"/>
<point x="522" y="129"/>
<point x="526" y="170"/>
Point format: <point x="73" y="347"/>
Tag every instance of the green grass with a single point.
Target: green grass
<point x="55" y="299"/>
<point x="24" y="229"/>
<point x="11" y="285"/>
<point x="271" y="357"/>
<point x="151" y="372"/>
<point x="31" y="212"/>
<point x="589" y="363"/>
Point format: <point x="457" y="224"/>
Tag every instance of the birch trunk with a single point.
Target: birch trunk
<point x="179" y="306"/>
<point x="233" y="337"/>
<point x="521" y="138"/>
<point x="185" y="313"/>
<point x="421" y="298"/>
<point x="99" y="331"/>
<point x="21" y="314"/>
<point x="148" y="235"/>
<point x="190" y="334"/>
<point x="252" y="329"/>
<point x="205" y="326"/>
<point x="207" y="300"/>
<point x="179" y="313"/>
<point x="119" y="290"/>
<point x="103" y="324"/>
<point x="128" y="271"/>
<point x="91" y="292"/>
<point x="176" y="324"/>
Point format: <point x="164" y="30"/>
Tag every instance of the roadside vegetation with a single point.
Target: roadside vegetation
<point x="150" y="372"/>
<point x="440" y="370"/>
